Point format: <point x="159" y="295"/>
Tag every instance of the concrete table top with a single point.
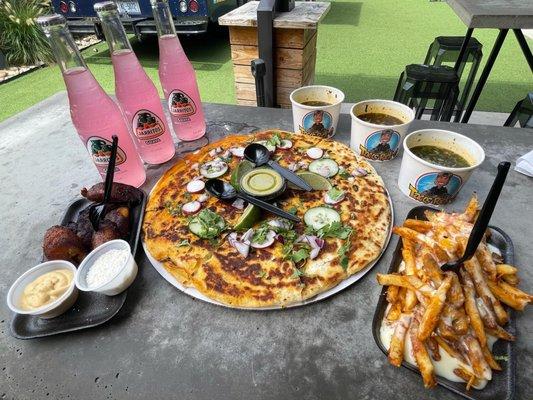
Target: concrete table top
<point x="305" y="15"/>
<point x="166" y="345"/>
<point x="499" y="14"/>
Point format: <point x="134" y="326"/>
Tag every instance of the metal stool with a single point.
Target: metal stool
<point x="522" y="113"/>
<point x="445" y="49"/>
<point x="420" y="83"/>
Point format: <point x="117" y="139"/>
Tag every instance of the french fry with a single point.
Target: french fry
<point x="514" y="291"/>
<point x="394" y="280"/>
<point x="505" y="269"/>
<point x="392" y="294"/>
<point x="489" y="358"/>
<point x="473" y="351"/>
<point x="410" y="270"/>
<point x="513" y="301"/>
<point x="474" y="269"/>
<point x="430" y="318"/>
<point x="484" y="257"/>
<point x="433" y="347"/>
<point x="418" y="225"/>
<point x="471" y="209"/>
<point x="432" y="269"/>
<point x="500" y="333"/>
<point x="459" y="320"/>
<point x="397" y="343"/>
<point x="418" y="237"/>
<point x="466" y="376"/>
<point x="448" y="348"/>
<point x="394" y="311"/>
<point x="456" y="296"/>
<point x="471" y="309"/>
<point x="422" y="359"/>
<point x="446" y="331"/>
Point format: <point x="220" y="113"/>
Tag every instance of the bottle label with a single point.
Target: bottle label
<point x="100" y="151"/>
<point x="181" y="105"/>
<point x="147" y="126"/>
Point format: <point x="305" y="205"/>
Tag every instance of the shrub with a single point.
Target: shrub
<point x="21" y="40"/>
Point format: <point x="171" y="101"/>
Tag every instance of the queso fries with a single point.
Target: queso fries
<point x="442" y="311"/>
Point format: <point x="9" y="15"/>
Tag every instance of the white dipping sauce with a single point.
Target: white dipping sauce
<point x="106" y="267"/>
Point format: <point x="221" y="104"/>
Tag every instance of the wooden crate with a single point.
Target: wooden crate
<point x="294" y="61"/>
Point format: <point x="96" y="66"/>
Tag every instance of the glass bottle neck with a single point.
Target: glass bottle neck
<point x="163" y="18"/>
<point x="115" y="35"/>
<point x="64" y="48"/>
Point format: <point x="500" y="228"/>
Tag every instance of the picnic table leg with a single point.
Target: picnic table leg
<point x="524" y="46"/>
<point x="485" y="74"/>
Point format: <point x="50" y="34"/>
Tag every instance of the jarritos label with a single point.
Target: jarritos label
<point x="381" y="145"/>
<point x="436" y="188"/>
<point x="100" y="151"/>
<point x="180" y="104"/>
<point x="147" y="126"/>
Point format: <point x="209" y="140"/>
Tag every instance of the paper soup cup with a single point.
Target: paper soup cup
<point x="431" y="183"/>
<point x="316" y="120"/>
<point x="374" y="141"/>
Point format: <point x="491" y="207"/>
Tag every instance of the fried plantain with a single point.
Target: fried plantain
<point x="107" y="231"/>
<point x="119" y="193"/>
<point x="62" y="243"/>
<point x="121" y="217"/>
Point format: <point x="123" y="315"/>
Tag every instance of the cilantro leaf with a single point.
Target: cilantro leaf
<point x="260" y="234"/>
<point x="344" y="174"/>
<point x="275" y="140"/>
<point x="334" y="230"/>
<point x="296" y="273"/>
<point x="335" y="193"/>
<point x="300" y="255"/>
<point x="183" y="243"/>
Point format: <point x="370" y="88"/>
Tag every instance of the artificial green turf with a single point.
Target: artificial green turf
<point x="362" y="48"/>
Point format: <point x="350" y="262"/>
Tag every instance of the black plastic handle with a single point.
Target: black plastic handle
<point x="268" y="207"/>
<point x="483" y="219"/>
<point x="290" y="176"/>
<point x="110" y="174"/>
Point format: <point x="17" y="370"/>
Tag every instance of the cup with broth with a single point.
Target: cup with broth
<point x="436" y="164"/>
<point x="378" y="128"/>
<point x="316" y="109"/>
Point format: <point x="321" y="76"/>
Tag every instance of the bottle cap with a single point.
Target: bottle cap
<point x="45" y="21"/>
<point x="105" y="6"/>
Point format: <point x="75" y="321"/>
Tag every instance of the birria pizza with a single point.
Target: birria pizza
<point x="241" y="256"/>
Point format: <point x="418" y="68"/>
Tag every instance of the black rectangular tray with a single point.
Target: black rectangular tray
<point x="91" y="309"/>
<point x="502" y="385"/>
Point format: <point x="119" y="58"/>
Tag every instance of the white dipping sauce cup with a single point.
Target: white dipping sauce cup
<point x="50" y="310"/>
<point x="379" y="142"/>
<point x="434" y="184"/>
<point x="123" y="278"/>
<point x="316" y="120"/>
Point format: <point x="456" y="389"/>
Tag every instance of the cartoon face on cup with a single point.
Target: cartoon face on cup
<point x="436" y="164"/>
<point x="315" y="110"/>
<point x="378" y="127"/>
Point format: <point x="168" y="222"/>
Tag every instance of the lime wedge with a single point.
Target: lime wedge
<point x="251" y="215"/>
<point x="317" y="182"/>
<point x="242" y="168"/>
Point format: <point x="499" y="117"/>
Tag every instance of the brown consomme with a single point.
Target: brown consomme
<point x="440" y="156"/>
<point x="380" y="119"/>
<point x="314" y="103"/>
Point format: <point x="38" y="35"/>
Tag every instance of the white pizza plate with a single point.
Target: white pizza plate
<point x="191" y="291"/>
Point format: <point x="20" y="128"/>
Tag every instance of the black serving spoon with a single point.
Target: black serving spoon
<point x="482" y="221"/>
<point x="259" y="155"/>
<point x="225" y="191"/>
<point x="97" y="211"/>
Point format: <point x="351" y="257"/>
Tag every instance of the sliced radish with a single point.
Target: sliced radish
<point x="195" y="166"/>
<point x="213" y="152"/>
<point x="271" y="235"/>
<point x="278" y="223"/>
<point x="195" y="186"/>
<point x="315" y="242"/>
<point x="292" y="167"/>
<point x="302" y="165"/>
<point x="191" y="207"/>
<point x="285" y="144"/>
<point x="247" y="236"/>
<point x="237" y="151"/>
<point x="238" y="204"/>
<point x="360" y="172"/>
<point x="227" y="154"/>
<point x="213" y="169"/>
<point x="315" y="153"/>
<point x="242" y="247"/>
<point x="203" y="198"/>
<point x="219" y="150"/>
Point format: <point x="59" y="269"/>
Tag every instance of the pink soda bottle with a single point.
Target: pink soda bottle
<point x="94" y="114"/>
<point x="135" y="92"/>
<point x="177" y="77"/>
